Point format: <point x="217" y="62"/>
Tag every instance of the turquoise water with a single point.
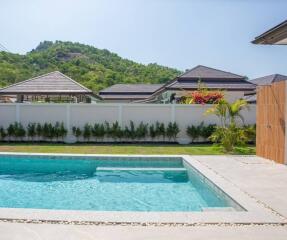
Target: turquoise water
<point x="105" y="184"/>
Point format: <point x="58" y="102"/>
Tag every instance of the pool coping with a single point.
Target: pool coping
<point x="256" y="212"/>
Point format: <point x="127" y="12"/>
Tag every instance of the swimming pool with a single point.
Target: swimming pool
<point x="143" y="184"/>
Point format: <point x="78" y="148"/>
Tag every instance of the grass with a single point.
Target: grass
<point x="164" y="149"/>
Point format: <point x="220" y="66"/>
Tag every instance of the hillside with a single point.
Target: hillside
<point x="94" y="68"/>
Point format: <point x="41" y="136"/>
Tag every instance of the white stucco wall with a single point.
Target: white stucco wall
<point x="79" y="114"/>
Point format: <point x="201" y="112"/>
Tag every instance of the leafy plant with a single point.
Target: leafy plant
<point x="206" y="131"/>
<point x="87" y="132"/>
<point x="77" y="132"/>
<point x="141" y="131"/>
<point x="59" y="130"/>
<point x="108" y="129"/>
<point x="193" y="132"/>
<point x="229" y="137"/>
<point x="63" y="131"/>
<point x="172" y="130"/>
<point x="152" y="131"/>
<point x="20" y="130"/>
<point x="130" y="132"/>
<point x="116" y="131"/>
<point x="11" y="131"/>
<point x="31" y="130"/>
<point x="202" y="96"/>
<point x="16" y="130"/>
<point x="48" y="131"/>
<point x="98" y="131"/>
<point x="160" y="130"/>
<point x="228" y="134"/>
<point x="39" y="130"/>
<point x="3" y="133"/>
<point x="250" y="131"/>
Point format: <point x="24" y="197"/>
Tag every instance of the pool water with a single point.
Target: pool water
<point x="106" y="184"/>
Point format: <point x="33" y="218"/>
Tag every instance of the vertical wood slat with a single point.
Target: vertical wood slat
<point x="270" y="121"/>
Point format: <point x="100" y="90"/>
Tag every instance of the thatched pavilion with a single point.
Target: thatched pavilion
<point x="50" y="87"/>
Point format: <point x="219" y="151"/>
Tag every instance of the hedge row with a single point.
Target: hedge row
<point x="46" y="131"/>
<point x="99" y="131"/>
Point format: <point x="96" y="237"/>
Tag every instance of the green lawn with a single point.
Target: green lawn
<point x="199" y="149"/>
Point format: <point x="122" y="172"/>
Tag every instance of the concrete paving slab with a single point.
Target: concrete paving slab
<point x="19" y="231"/>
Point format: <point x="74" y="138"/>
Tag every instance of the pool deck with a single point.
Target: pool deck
<point x="258" y="184"/>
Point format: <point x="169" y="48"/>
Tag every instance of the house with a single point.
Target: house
<point x="234" y="86"/>
<point x="268" y="80"/>
<point x="276" y="35"/>
<point x="262" y="81"/>
<point x="50" y="87"/>
<point x="127" y="93"/>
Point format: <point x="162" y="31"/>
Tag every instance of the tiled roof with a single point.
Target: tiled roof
<point x="242" y="86"/>
<point x="124" y="97"/>
<point x="131" y="88"/>
<point x="50" y="83"/>
<point x="211" y="78"/>
<point x="266" y="80"/>
<point x="203" y="72"/>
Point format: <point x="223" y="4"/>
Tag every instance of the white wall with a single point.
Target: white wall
<point x="79" y="114"/>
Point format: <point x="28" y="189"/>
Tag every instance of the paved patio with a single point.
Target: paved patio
<point x="260" y="179"/>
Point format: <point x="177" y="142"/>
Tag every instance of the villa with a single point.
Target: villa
<point x="235" y="87"/>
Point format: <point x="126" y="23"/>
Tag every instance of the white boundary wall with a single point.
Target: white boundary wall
<point x="80" y="114"/>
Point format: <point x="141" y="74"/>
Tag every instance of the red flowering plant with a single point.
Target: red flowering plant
<point x="202" y="96"/>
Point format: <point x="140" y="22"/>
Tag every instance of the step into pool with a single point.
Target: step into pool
<point x="107" y="184"/>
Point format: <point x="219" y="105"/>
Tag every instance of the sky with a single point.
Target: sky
<point x="174" y="33"/>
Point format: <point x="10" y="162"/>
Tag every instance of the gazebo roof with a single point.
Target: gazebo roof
<point x="50" y="83"/>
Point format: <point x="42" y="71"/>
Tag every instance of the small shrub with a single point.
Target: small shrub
<point x="152" y="132"/>
<point x="31" y="130"/>
<point x="250" y="131"/>
<point x="160" y="130"/>
<point x="206" y="131"/>
<point x="20" y="131"/>
<point x="11" y="131"/>
<point x="77" y="132"/>
<point x="16" y="130"/>
<point x="116" y="131"/>
<point x="3" y="133"/>
<point x="141" y="131"/>
<point x="39" y="130"/>
<point x="98" y="131"/>
<point x="108" y="129"/>
<point x="130" y="132"/>
<point x="229" y="137"/>
<point x="172" y="131"/>
<point x="87" y="132"/>
<point x="48" y="131"/>
<point x="63" y="131"/>
<point x="193" y="132"/>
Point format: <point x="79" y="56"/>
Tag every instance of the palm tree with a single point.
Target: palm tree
<point x="228" y="134"/>
<point x="227" y="112"/>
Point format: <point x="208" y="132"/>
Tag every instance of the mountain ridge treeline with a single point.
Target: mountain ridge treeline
<point x="94" y="68"/>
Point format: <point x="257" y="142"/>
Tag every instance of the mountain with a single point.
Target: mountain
<point x="94" y="68"/>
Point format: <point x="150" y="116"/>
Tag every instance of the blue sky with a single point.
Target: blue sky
<point x="175" y="33"/>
